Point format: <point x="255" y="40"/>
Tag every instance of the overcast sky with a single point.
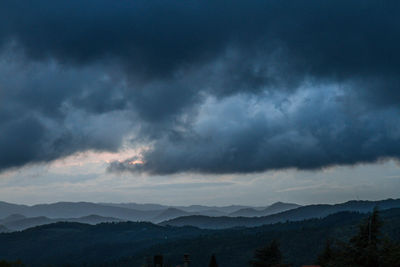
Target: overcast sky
<point x="203" y="101"/>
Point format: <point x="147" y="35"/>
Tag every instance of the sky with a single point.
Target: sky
<point x="199" y="102"/>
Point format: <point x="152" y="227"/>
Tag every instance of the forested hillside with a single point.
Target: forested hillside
<point x="128" y="244"/>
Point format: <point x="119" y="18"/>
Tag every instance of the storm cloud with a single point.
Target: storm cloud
<point x="203" y="86"/>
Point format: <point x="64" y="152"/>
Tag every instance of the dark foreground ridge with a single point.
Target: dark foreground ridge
<point x="130" y="244"/>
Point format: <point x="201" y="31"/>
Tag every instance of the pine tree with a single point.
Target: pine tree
<point x="213" y="261"/>
<point x="327" y="255"/>
<point x="267" y="256"/>
<point x="390" y="254"/>
<point x="365" y="244"/>
<point x="365" y="249"/>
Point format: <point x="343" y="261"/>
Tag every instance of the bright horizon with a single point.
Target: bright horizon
<point x="84" y="178"/>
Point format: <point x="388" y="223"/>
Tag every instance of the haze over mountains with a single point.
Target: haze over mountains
<point x="296" y="214"/>
<point x="274" y="208"/>
<point x="76" y="233"/>
<point x="191" y="208"/>
<point x="19" y="217"/>
<point x="127" y="211"/>
<point x="15" y="217"/>
<point x="17" y="222"/>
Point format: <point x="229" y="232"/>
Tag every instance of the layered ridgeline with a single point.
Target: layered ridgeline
<point x="19" y="217"/>
<point x="17" y="222"/>
<point x="274" y="208"/>
<point x="297" y="214"/>
<point x="74" y="210"/>
<point x="129" y="243"/>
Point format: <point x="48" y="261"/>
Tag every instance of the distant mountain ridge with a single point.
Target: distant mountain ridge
<point x="18" y="217"/>
<point x="74" y="210"/>
<point x="274" y="208"/>
<point x="191" y="208"/>
<point x="17" y="222"/>
<point x="202" y="208"/>
<point x="136" y="206"/>
<point x="297" y="214"/>
<point x="170" y="213"/>
<point x="122" y="211"/>
<point x="12" y="218"/>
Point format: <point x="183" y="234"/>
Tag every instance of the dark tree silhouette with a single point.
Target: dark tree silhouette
<point x="4" y="263"/>
<point x="390" y="254"/>
<point x="213" y="261"/>
<point x="365" y="244"/>
<point x="365" y="249"/>
<point x="267" y="256"/>
<point x="327" y="254"/>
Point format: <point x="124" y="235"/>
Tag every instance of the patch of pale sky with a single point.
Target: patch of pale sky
<point x="83" y="177"/>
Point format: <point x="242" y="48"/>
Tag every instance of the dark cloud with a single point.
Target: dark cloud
<point x="19" y="147"/>
<point x="311" y="132"/>
<point x="49" y="112"/>
<point x="89" y="74"/>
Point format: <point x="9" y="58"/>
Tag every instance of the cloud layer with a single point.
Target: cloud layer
<point x="204" y="86"/>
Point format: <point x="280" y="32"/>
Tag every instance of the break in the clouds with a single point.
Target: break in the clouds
<point x="200" y="86"/>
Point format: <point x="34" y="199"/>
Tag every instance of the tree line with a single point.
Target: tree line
<point x="367" y="248"/>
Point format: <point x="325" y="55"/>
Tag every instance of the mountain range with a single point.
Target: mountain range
<point x="15" y="217"/>
<point x="17" y="222"/>
<point x="296" y="214"/>
<point x="192" y="208"/>
<point x="130" y="243"/>
<point x="19" y="217"/>
<point x="274" y="208"/>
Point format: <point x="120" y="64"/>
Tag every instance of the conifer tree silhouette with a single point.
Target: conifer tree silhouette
<point x="213" y="261"/>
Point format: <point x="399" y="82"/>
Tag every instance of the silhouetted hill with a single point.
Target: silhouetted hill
<point x="212" y="213"/>
<point x="246" y="212"/>
<point x="200" y="208"/>
<point x="169" y="214"/>
<point x="220" y="210"/>
<point x="197" y="215"/>
<point x="123" y="211"/>
<point x="80" y="209"/>
<point x="75" y="209"/>
<point x="297" y="214"/>
<point x="279" y="207"/>
<point x="128" y="243"/>
<point x="27" y="222"/>
<point x="91" y="219"/>
<point x="137" y="206"/>
<point x="274" y="208"/>
<point x="7" y="209"/>
<point x="172" y="213"/>
<point x="12" y="218"/>
<point x="76" y="243"/>
<point x="300" y="241"/>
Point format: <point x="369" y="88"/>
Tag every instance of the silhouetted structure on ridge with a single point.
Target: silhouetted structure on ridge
<point x="186" y="260"/>
<point x="158" y="261"/>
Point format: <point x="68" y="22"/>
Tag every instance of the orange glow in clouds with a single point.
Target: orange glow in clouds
<point x="136" y="162"/>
